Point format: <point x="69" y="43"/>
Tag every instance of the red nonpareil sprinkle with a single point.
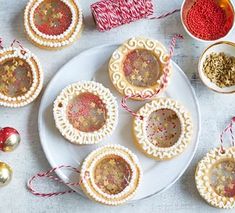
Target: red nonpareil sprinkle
<point x="207" y="20"/>
<point x="229" y="192"/>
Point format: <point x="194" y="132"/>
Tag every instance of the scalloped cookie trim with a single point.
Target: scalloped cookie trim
<point x="53" y="41"/>
<point x="37" y="74"/>
<point x="140" y="135"/>
<point x="202" y="178"/>
<point x="93" y="191"/>
<point x="117" y="75"/>
<point x="66" y="128"/>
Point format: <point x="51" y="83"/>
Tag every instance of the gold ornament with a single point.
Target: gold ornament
<point x="9" y="139"/>
<point x="5" y="174"/>
<point x="11" y="143"/>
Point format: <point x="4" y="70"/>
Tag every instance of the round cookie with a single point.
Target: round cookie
<point x="85" y="112"/>
<point x="139" y="68"/>
<point x="21" y="77"/>
<point x="53" y="24"/>
<point x="111" y="175"/>
<point x="165" y="130"/>
<point x="215" y="178"/>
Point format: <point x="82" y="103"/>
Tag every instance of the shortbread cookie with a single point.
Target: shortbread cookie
<point x="215" y="178"/>
<point x="85" y="112"/>
<point x="165" y="130"/>
<point x="136" y="67"/>
<point x="110" y="175"/>
<point x="21" y="77"/>
<point x="53" y="24"/>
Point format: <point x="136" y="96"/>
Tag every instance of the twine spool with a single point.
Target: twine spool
<point x="109" y="14"/>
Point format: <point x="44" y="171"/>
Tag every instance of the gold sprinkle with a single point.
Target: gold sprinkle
<point x="21" y="63"/>
<point x="59" y="15"/>
<point x="48" y="6"/>
<point x="136" y="71"/>
<point x="44" y="12"/>
<point x="6" y="67"/>
<point x="81" y="118"/>
<point x="100" y="111"/>
<point x="92" y="105"/>
<point x="144" y="64"/>
<point x="139" y="78"/>
<point x="133" y="77"/>
<point x="94" y="120"/>
<point x="24" y="89"/>
<point x="220" y="69"/>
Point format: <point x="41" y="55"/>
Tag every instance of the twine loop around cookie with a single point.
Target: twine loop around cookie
<point x="229" y="129"/>
<point x="163" y="84"/>
<point x="1" y="43"/>
<point x="15" y="41"/>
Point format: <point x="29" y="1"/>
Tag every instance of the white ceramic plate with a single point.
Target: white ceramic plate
<point x="92" y="65"/>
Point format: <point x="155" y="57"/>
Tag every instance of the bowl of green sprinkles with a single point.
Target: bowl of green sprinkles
<point x="217" y="67"/>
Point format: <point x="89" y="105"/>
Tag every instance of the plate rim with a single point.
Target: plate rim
<point x="40" y="112"/>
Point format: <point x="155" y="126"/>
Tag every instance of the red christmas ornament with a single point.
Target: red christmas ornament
<point x="9" y="139"/>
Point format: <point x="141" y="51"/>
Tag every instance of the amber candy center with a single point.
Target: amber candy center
<point x="87" y="112"/>
<point x="112" y="174"/>
<point x="163" y="128"/>
<point x="142" y="68"/>
<point x="15" y="77"/>
<point x="222" y="178"/>
<point x="52" y="17"/>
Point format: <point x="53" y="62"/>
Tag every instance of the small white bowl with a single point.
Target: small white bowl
<point x="222" y="46"/>
<point x="186" y="6"/>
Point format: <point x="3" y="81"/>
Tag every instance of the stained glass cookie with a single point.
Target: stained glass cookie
<point x="114" y="175"/>
<point x="21" y="77"/>
<point x="165" y="131"/>
<point x="85" y="112"/>
<point x="136" y="67"/>
<point x="53" y="24"/>
<point x="215" y="178"/>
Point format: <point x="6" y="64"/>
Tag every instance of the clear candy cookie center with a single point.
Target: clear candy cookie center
<point x="142" y="68"/>
<point x="87" y="112"/>
<point x="52" y="17"/>
<point x="222" y="178"/>
<point x="163" y="128"/>
<point x="15" y="77"/>
<point x="112" y="174"/>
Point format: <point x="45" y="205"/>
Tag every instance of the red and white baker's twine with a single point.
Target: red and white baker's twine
<point x="1" y="41"/>
<point x="162" y="85"/>
<point x="165" y="14"/>
<point x="109" y="14"/>
<point x="48" y="175"/>
<point x="229" y="128"/>
<point x="15" y="41"/>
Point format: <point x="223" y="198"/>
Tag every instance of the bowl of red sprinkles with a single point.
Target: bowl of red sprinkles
<point x="207" y="20"/>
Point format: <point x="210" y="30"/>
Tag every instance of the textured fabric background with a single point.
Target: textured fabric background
<point x="216" y="110"/>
